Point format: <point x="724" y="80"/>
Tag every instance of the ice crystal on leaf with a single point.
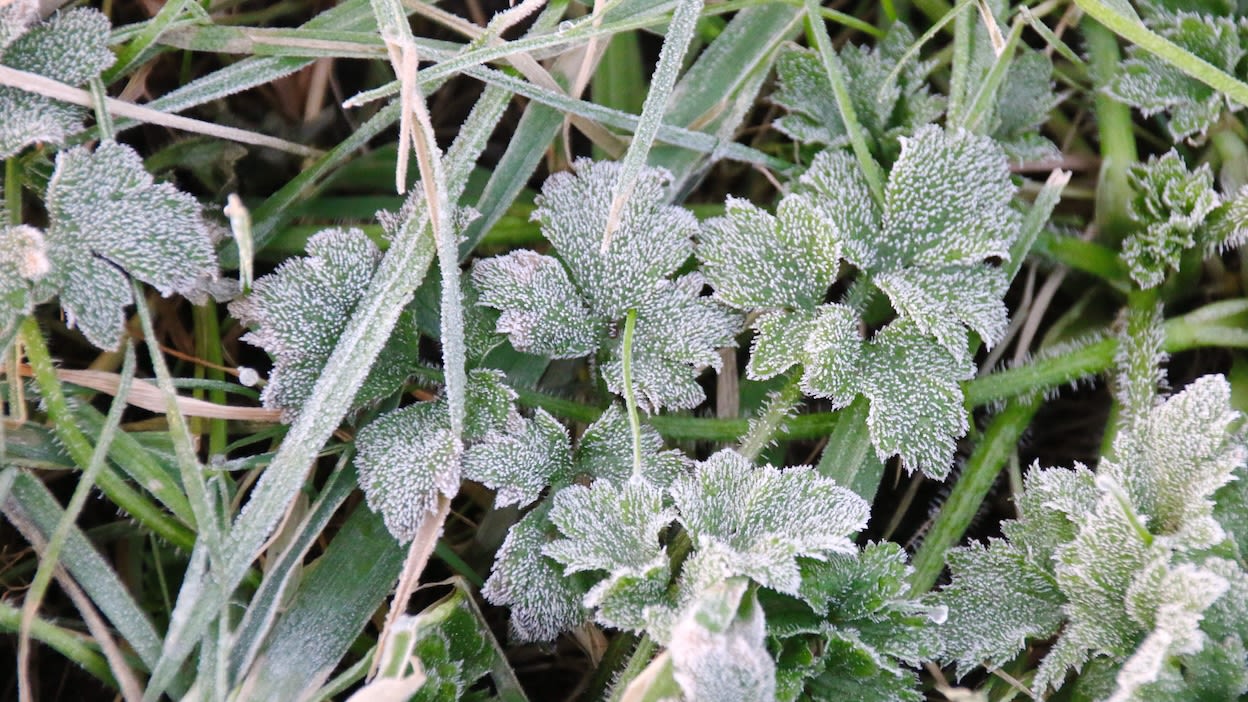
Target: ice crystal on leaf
<point x="605" y="451"/>
<point x="946" y="215"/>
<point x="1178" y="210"/>
<point x="70" y="47"/>
<point x="886" y="108"/>
<point x="1153" y="85"/>
<point x="718" y="650"/>
<point x="756" y="521"/>
<point x="1119" y="563"/>
<point x="615" y="530"/>
<point x="571" y="306"/>
<point x="522" y="460"/>
<point x="23" y="260"/>
<point x="543" y="601"/>
<point x="298" y="312"/>
<point x="854" y="630"/>
<point x="107" y="219"/>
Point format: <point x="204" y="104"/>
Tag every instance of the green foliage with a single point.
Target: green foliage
<point x="946" y="212"/>
<point x="298" y="311"/>
<point x="70" y="47"/>
<point x="97" y="201"/>
<point x="1119" y="561"/>
<point x="574" y="305"/>
<point x="1178" y="210"/>
<point x="1152" y="85"/>
<point x="888" y="108"/>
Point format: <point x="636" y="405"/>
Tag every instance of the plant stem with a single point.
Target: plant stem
<point x="848" y="457"/>
<point x="80" y="448"/>
<point x="630" y="393"/>
<point x="1115" y="132"/>
<point x="636" y="663"/>
<point x="999" y="442"/>
<point x="779" y="409"/>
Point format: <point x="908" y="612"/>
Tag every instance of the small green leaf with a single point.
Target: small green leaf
<point x="543" y="601"/>
<point x="519" y="462"/>
<point x="756" y="521"/>
<point x="406" y="459"/>
<point x="1171" y="206"/>
<point x="70" y="47"/>
<point x="107" y="218"/>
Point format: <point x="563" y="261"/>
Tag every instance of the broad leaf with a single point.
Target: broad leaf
<point x="756" y="521"/>
<point x="107" y="219"/>
<point x="543" y="601"/>
<point x="298" y="312"/>
<point x="70" y="47"/>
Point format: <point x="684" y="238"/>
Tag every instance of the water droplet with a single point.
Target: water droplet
<point x="565" y="26"/>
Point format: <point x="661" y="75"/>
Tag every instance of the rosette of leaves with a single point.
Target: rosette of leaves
<point x="107" y="221"/>
<point x="1128" y="564"/>
<point x="574" y="306"/>
<point x="946" y="215"/>
<point x="852" y="631"/>
<point x="887" y="107"/>
<point x="70" y="47"/>
<point x="298" y="312"/>
<point x="548" y="595"/>
<point x="1153" y="85"/>
<point x="1178" y="210"/>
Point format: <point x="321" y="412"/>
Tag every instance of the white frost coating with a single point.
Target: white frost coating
<point x="567" y="307"/>
<point x="543" y="601"/>
<point x="298" y="312"/>
<point x="760" y="519"/>
<point x="406" y="459"/>
<point x="108" y="218"/>
<point x="1171" y="207"/>
<point x="70" y="47"/>
<point x="1116" y="563"/>
<point x="720" y="656"/>
<point x="605" y="452"/>
<point x="1153" y="85"/>
<point x="522" y="460"/>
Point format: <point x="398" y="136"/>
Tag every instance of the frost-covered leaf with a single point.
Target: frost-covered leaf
<point x="520" y="462"/>
<point x="677" y="329"/>
<point x="718" y="650"/>
<point x="780" y="342"/>
<point x="757" y="261"/>
<point x="70" y="47"/>
<point x="605" y="451"/>
<point x="1170" y="205"/>
<point x="543" y="601"/>
<point x="1152" y="85"/>
<point x="406" y="459"/>
<point x="911" y="381"/>
<point x="106" y="219"/>
<point x="1024" y="101"/>
<point x="1186" y="449"/>
<point x="298" y="312"/>
<point x="946" y="210"/>
<point x="886" y="109"/>
<point x="856" y="671"/>
<point x="998" y="600"/>
<point x="576" y="304"/>
<point x="23" y="260"/>
<point x="541" y="310"/>
<point x="650" y="242"/>
<point x="614" y="530"/>
<point x="756" y="521"/>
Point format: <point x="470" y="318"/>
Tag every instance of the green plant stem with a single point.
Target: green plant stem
<point x="848" y="458"/>
<point x="80" y="449"/>
<point x="630" y="393"/>
<point x="779" y="409"/>
<point x="999" y="442"/>
<point x="86" y="482"/>
<point x="1115" y="132"/>
<point x="208" y="347"/>
<point x="835" y="71"/>
<point x="637" y="662"/>
<point x="70" y="644"/>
